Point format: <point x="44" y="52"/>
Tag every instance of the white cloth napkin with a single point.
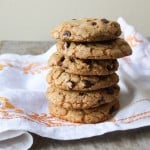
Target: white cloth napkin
<point x="23" y="105"/>
<point x="11" y="140"/>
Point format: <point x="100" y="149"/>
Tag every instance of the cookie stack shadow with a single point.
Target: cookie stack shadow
<point x="83" y="80"/>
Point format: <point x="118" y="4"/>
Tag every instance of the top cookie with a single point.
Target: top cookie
<point x="87" y="30"/>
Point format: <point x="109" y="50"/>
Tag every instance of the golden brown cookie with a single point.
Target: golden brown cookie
<point x="83" y="66"/>
<point x="94" y="115"/>
<point x="101" y="50"/>
<point x="87" y="30"/>
<point x="66" y="81"/>
<point x="82" y="100"/>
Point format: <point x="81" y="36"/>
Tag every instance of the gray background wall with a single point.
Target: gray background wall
<point x="33" y="19"/>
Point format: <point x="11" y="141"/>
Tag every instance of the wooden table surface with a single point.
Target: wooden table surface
<point x="138" y="139"/>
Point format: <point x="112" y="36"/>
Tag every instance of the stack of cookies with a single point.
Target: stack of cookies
<point x="83" y="83"/>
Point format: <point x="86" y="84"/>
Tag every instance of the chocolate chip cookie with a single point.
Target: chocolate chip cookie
<point x="92" y="115"/>
<point x="87" y="30"/>
<point x="66" y="81"/>
<point x="81" y="100"/>
<point x="100" y="50"/>
<point x="83" y="66"/>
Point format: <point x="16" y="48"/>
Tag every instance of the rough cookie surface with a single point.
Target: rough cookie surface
<point x="93" y="115"/>
<point x="87" y="30"/>
<point x="83" y="66"/>
<point x="66" y="81"/>
<point x="81" y="100"/>
<point x="100" y="50"/>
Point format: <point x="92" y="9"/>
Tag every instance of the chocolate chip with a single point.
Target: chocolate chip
<point x="81" y="93"/>
<point x="110" y="90"/>
<point x="62" y="59"/>
<point x="66" y="45"/>
<point x="72" y="59"/>
<point x="87" y="61"/>
<point x="94" y="23"/>
<point x="74" y="19"/>
<point x="104" y="20"/>
<point x="112" y="110"/>
<point x="110" y="67"/>
<point x="87" y="84"/>
<point x="67" y="34"/>
<point x="70" y="84"/>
